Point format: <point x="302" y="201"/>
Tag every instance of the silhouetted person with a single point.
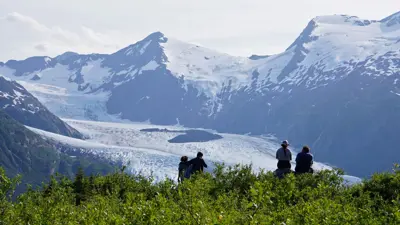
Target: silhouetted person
<point x="183" y="165"/>
<point x="304" y="161"/>
<point x="197" y="163"/>
<point x="284" y="156"/>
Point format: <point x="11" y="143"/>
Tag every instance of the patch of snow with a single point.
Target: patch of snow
<point x="122" y="72"/>
<point x="94" y="74"/>
<point x="152" y="65"/>
<point x="47" y="59"/>
<point x="57" y="76"/>
<point x="67" y="103"/>
<point x="273" y="67"/>
<point x="143" y="49"/>
<point x="5" y="95"/>
<point x="146" y="97"/>
<point x="398" y="94"/>
<point x="15" y="101"/>
<point x="118" y="83"/>
<point x="18" y="94"/>
<point x="206" y="69"/>
<point x="6" y="72"/>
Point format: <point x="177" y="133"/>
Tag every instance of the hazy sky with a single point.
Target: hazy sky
<point x="237" y="27"/>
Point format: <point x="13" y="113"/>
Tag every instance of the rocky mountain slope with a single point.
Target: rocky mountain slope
<point x="335" y="88"/>
<point x="36" y="159"/>
<point x="16" y="101"/>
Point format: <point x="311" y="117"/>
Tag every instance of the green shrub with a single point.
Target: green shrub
<point x="232" y="195"/>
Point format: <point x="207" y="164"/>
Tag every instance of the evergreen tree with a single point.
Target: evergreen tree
<point x="79" y="186"/>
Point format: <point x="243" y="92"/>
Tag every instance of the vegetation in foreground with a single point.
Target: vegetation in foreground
<point x="231" y="196"/>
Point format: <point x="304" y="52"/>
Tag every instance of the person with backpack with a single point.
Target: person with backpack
<point x="183" y="166"/>
<point x="197" y="164"/>
<point x="284" y="156"/>
<point x="304" y="161"/>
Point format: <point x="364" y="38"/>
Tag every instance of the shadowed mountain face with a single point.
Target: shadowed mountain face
<point x="27" y="153"/>
<point x="335" y="88"/>
<point x="16" y="101"/>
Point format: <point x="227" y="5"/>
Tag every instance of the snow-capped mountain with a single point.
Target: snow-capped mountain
<point x="335" y="88"/>
<point x="186" y="75"/>
<point x="17" y="102"/>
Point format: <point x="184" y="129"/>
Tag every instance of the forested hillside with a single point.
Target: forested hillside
<point x="25" y="152"/>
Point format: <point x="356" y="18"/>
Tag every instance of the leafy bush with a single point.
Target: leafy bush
<point x="233" y="195"/>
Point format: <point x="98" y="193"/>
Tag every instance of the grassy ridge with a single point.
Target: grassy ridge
<point x="232" y="196"/>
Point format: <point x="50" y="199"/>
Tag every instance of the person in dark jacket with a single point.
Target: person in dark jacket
<point x="197" y="163"/>
<point x="183" y="165"/>
<point x="304" y="161"/>
<point x="284" y="156"/>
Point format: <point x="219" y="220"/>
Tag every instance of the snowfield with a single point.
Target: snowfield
<point x="151" y="153"/>
<point x="70" y="104"/>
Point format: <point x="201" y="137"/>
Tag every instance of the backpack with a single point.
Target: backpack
<point x="188" y="172"/>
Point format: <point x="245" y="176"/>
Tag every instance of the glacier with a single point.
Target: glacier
<point x="150" y="153"/>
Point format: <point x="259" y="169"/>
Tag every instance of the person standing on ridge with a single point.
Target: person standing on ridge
<point x="183" y="165"/>
<point x="197" y="163"/>
<point x="304" y="161"/>
<point x="284" y="156"/>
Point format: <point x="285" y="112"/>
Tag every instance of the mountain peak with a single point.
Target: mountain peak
<point x="392" y="19"/>
<point x="157" y="36"/>
<point x="320" y="21"/>
<point x="305" y="36"/>
<point x="394" y="15"/>
<point x="152" y="41"/>
<point x="66" y="55"/>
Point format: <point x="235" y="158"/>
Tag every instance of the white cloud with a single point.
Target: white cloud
<point x="238" y="27"/>
<point x="23" y="36"/>
<point x="24" y="20"/>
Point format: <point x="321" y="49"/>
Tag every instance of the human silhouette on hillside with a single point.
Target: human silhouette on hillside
<point x="284" y="156"/>
<point x="197" y="164"/>
<point x="304" y="161"/>
<point x="183" y="165"/>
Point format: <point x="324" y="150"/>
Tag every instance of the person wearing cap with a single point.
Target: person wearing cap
<point x="284" y="156"/>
